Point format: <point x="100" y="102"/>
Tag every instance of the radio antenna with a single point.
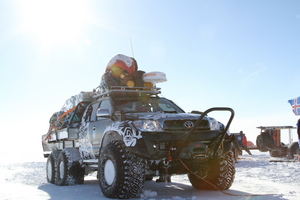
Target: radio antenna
<point x="131" y="48"/>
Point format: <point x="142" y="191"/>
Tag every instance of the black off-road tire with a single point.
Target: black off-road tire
<point x="292" y="150"/>
<point x="69" y="170"/>
<point x="121" y="174"/>
<point x="51" y="167"/>
<point x="220" y="174"/>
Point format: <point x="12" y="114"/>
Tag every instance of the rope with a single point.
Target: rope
<point x="67" y="112"/>
<point x="53" y="124"/>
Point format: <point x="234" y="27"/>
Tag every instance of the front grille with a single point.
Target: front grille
<point x="183" y="125"/>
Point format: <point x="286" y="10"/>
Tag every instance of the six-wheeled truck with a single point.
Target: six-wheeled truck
<point x="269" y="139"/>
<point x="132" y="134"/>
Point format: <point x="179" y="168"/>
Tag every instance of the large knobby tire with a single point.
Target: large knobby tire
<point x="69" y="170"/>
<point x="292" y="150"/>
<point x="220" y="174"/>
<point x="121" y="174"/>
<point x="51" y="167"/>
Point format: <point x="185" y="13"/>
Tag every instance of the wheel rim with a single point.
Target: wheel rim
<point x="109" y="172"/>
<point x="61" y="170"/>
<point x="49" y="170"/>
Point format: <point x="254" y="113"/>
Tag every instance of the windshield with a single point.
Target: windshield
<point x="149" y="105"/>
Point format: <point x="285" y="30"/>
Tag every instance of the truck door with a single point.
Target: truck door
<point x="99" y="124"/>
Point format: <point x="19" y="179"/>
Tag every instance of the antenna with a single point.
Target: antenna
<point x="131" y="48"/>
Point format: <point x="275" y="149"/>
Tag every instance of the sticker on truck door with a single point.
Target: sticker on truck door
<point x="127" y="131"/>
<point x="85" y="146"/>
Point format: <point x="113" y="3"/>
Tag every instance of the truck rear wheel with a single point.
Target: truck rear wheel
<point x="51" y="167"/>
<point x="121" y="174"/>
<point x="69" y="171"/>
<point x="220" y="174"/>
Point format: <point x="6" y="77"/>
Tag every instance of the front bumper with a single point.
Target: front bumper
<point x="159" y="145"/>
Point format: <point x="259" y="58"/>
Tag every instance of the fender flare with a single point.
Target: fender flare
<point x="109" y="136"/>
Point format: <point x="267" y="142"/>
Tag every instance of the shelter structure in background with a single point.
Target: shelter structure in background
<point x="295" y="103"/>
<point x="269" y="140"/>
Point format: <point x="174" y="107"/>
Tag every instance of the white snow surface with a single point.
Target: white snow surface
<point x="23" y="176"/>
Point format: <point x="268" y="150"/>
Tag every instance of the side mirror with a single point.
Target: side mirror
<point x="103" y="113"/>
<point x="119" y="115"/>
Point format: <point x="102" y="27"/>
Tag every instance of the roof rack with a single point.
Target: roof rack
<point x="125" y="90"/>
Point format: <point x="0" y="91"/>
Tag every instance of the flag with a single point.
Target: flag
<point x="295" y="103"/>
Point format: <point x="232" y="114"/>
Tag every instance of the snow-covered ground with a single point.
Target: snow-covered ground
<point x="22" y="176"/>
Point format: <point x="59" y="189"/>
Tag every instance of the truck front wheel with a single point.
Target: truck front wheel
<point x="121" y="174"/>
<point x="220" y="174"/>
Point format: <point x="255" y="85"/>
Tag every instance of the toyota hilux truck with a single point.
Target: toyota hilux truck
<point x="130" y="135"/>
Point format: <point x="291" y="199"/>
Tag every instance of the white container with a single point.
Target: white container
<point x="154" y="77"/>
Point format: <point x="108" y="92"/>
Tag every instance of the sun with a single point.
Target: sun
<point x="54" y="22"/>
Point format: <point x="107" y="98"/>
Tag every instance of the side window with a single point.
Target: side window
<point x="105" y="104"/>
<point x="91" y="112"/>
<point x="88" y="113"/>
<point x="77" y="115"/>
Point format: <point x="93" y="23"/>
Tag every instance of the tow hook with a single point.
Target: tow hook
<point x="166" y="163"/>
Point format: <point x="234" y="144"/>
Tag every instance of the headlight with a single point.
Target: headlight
<point x="222" y="128"/>
<point x="214" y="124"/>
<point x="147" y="125"/>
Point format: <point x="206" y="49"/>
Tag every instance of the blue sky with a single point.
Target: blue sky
<point x="238" y="54"/>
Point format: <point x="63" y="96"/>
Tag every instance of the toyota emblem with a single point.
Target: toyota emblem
<point x="188" y="124"/>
